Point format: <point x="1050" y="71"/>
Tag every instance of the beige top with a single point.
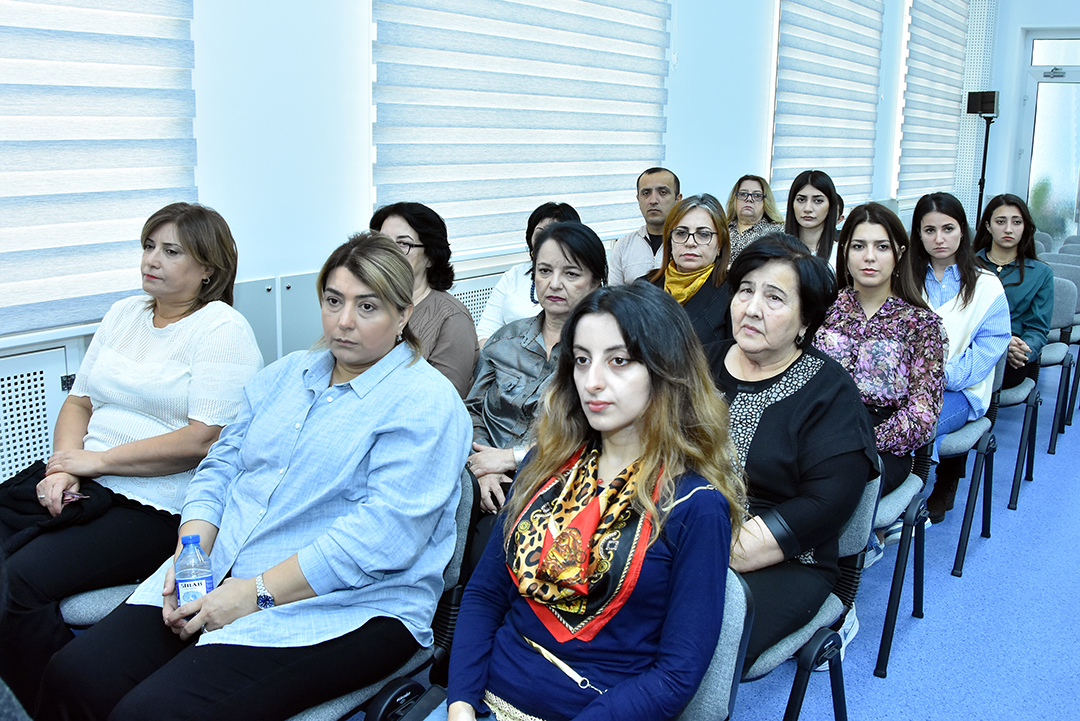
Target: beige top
<point x="447" y="337"/>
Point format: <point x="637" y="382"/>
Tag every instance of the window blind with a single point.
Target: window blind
<point x="934" y="100"/>
<point x="96" y="109"/>
<point x="484" y="109"/>
<point x="828" y="65"/>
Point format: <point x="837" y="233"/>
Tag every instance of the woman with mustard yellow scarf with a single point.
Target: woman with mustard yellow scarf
<point x="694" y="267"/>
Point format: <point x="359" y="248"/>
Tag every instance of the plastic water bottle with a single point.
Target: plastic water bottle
<point x="194" y="577"/>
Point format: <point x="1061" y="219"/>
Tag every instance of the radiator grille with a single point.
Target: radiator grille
<point x="475" y="300"/>
<point x="25" y="423"/>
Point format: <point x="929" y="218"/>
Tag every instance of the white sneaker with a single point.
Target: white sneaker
<point x="847" y="632"/>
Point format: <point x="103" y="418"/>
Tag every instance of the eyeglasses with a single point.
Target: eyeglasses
<point x="744" y="196"/>
<point x="406" y="246"/>
<point x="701" y="236"/>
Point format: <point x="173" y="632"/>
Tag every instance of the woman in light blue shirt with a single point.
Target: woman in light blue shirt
<point x="327" y="508"/>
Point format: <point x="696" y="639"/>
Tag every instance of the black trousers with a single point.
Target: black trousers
<point x="787" y="596"/>
<point x="124" y="545"/>
<point x="130" y="666"/>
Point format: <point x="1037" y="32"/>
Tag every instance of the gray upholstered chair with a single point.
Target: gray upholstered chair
<point x="1025" y="394"/>
<point x="1071" y="240"/>
<point x="1058" y="353"/>
<point x="85" y="609"/>
<point x="443" y="624"/>
<point x="1069" y="272"/>
<point x="1066" y="258"/>
<point x="976" y="435"/>
<point x="715" y="697"/>
<point x="1045" y="238"/>
<point x="1070" y="249"/>
<point x="906" y="503"/>
<point x="815" y="643"/>
<point x="1040" y="247"/>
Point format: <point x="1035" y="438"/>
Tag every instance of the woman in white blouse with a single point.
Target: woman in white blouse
<point x="163" y="374"/>
<point x="514" y="296"/>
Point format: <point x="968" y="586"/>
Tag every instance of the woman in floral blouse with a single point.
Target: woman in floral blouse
<point x="882" y="332"/>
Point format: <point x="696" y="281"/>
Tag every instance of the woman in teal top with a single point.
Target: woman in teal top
<point x="1005" y="245"/>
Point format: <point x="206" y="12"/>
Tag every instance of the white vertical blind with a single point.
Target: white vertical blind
<point x="934" y="98"/>
<point x="827" y="94"/>
<point x="486" y="108"/>
<point x="96" y="108"/>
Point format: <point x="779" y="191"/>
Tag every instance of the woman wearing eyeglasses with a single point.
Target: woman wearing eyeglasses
<point x="440" y="321"/>
<point x="694" y="265"/>
<point x="752" y="212"/>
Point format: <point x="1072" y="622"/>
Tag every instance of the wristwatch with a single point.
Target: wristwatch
<point x="262" y="597"/>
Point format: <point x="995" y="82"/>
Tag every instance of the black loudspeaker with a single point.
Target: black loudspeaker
<point x="984" y="103"/>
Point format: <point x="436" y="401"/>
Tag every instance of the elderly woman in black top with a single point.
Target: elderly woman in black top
<point x="800" y="429"/>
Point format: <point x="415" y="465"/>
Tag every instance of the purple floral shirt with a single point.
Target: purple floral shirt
<point x="897" y="359"/>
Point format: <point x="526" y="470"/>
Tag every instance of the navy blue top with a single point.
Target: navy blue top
<point x="649" y="658"/>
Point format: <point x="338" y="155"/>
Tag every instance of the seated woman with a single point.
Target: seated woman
<point x="694" y="266"/>
<point x="1005" y="245"/>
<point x="975" y="312"/>
<point x="801" y="431"/>
<point x="568" y="263"/>
<point x="441" y="323"/>
<point x="514" y="296"/>
<point x="751" y="213"/>
<point x="814" y="209"/>
<point x="885" y="336"/>
<point x="327" y="508"/>
<point x="614" y="533"/>
<point x="162" y="375"/>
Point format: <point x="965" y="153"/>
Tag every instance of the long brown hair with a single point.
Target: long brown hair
<point x="1025" y="249"/>
<point x="902" y="283"/>
<point x="684" y="426"/>
<point x="712" y="206"/>
<point x="945" y="204"/>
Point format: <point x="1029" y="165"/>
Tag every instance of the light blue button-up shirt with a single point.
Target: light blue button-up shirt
<point x="360" y="479"/>
<point x="989" y="340"/>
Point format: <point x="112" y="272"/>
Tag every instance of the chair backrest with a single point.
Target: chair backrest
<point x="1043" y="237"/>
<point x="1055" y="258"/>
<point x="856" y="532"/>
<point x="1071" y="240"/>
<point x="1040" y="247"/>
<point x="995" y="396"/>
<point x="1068" y="272"/>
<point x="1070" y="249"/>
<point x="445" y="620"/>
<point x="1064" y="303"/>
<point x="715" y="697"/>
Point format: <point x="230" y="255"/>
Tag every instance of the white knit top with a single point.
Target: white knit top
<point x="144" y="381"/>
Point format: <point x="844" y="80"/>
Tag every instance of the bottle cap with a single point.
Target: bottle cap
<point x="186" y="540"/>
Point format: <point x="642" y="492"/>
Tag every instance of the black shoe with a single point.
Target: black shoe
<point x="942" y="498"/>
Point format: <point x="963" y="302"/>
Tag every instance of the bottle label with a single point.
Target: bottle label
<point x="189" y="589"/>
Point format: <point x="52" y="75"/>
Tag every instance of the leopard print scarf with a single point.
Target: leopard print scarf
<point x="577" y="548"/>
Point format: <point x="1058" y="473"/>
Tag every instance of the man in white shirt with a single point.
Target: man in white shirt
<point x="635" y="254"/>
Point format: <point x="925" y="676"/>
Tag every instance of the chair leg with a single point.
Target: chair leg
<point x="1031" y="441"/>
<point x="1072" y="399"/>
<point x="969" y="509"/>
<point x="917" y="575"/>
<point x="988" y="485"/>
<point x="1022" y="451"/>
<point x="1062" y="399"/>
<point x="824" y="645"/>
<point x="911" y="518"/>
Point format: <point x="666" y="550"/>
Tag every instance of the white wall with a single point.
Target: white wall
<point x="1010" y="80"/>
<point x="282" y="125"/>
<point x="719" y="93"/>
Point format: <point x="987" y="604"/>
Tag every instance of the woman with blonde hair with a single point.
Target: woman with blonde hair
<point x="752" y="212"/>
<point x="615" y="535"/>
<point x="694" y="265"/>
